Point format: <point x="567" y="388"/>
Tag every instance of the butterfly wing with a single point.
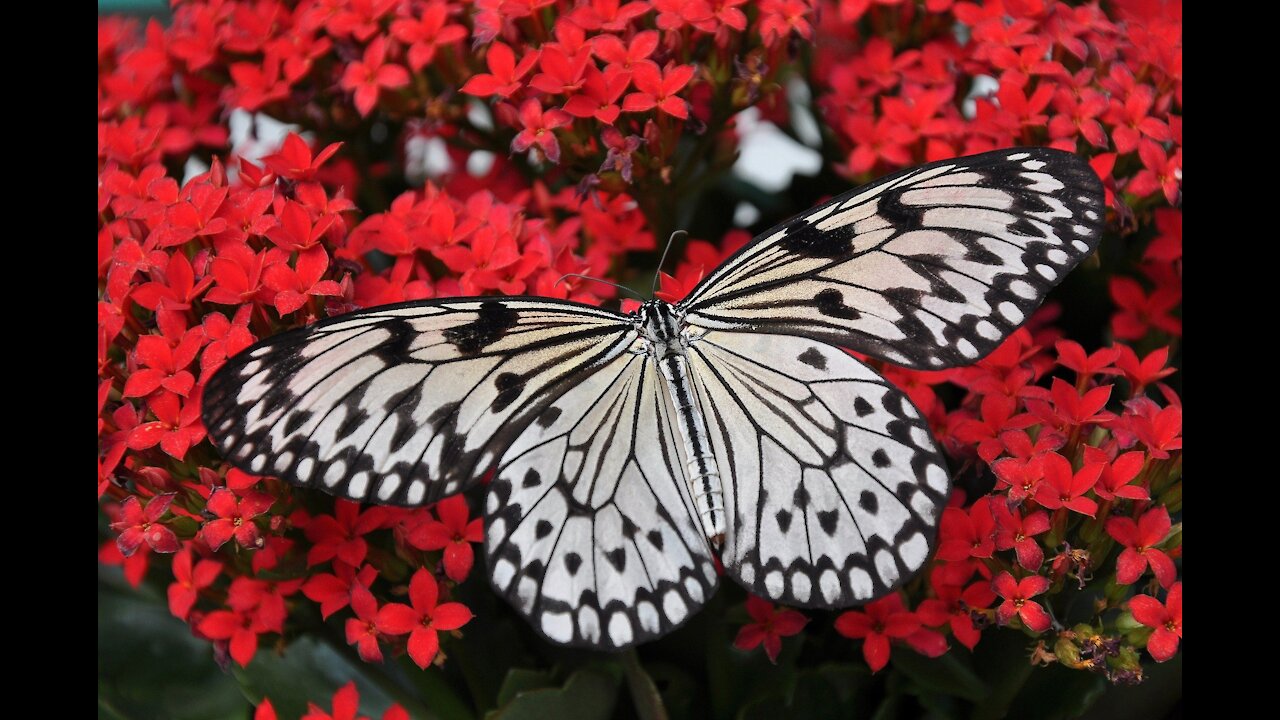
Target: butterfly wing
<point x="833" y="484"/>
<point x="928" y="268"/>
<point x="403" y="404"/>
<point x="590" y="528"/>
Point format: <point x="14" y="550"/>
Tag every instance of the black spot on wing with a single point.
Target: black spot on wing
<point x="813" y="358"/>
<point x="542" y="529"/>
<point x="617" y="558"/>
<point x="493" y="320"/>
<point x="801" y="498"/>
<point x="828" y="519"/>
<point x="655" y="538"/>
<point x="862" y="407"/>
<point x="830" y="302"/>
<point x="509" y="386"/>
<point x="867" y="501"/>
<point x="549" y="416"/>
<point x="572" y="561"/>
<point x="531" y="479"/>
<point x="880" y="458"/>
<point x="808" y="241"/>
<point x="784" y="520"/>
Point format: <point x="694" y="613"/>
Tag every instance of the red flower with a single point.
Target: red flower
<point x="1116" y="475"/>
<point x="877" y="623"/>
<point x="874" y="141"/>
<point x="139" y="524"/>
<point x="599" y="96"/>
<point x="239" y="629"/>
<point x="189" y="577"/>
<point x="1160" y="431"/>
<point x="1141" y="373"/>
<point x="1022" y="476"/>
<point x="770" y="624"/>
<point x="238" y="271"/>
<point x="1139" y="312"/>
<point x="341" y="535"/>
<point x="453" y="533"/>
<point x="370" y="76"/>
<point x="424" y="619"/>
<point x="346" y="705"/>
<point x="1017" y="596"/>
<point x="426" y="32"/>
<point x="538" y="127"/>
<point x="1139" y="540"/>
<point x="1165" y="618"/>
<point x="176" y="428"/>
<point x="1161" y="172"/>
<point x="164" y="364"/>
<point x="658" y="88"/>
<point x="967" y="533"/>
<point x="235" y="518"/>
<point x="780" y="17"/>
<point x="997" y="417"/>
<point x="174" y="291"/>
<point x="294" y="285"/>
<point x="956" y="607"/>
<point x="1070" y="408"/>
<point x="1130" y="119"/>
<point x="562" y="72"/>
<point x="1073" y="357"/>
<point x="625" y="56"/>
<point x="1017" y="533"/>
<point x="362" y="630"/>
<point x="294" y="161"/>
<point x="333" y="592"/>
<point x="503" y="78"/>
<point x="1063" y="488"/>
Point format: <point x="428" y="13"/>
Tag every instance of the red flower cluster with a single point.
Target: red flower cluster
<point x="455" y="147"/>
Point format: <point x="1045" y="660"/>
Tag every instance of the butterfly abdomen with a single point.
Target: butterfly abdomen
<point x="667" y="345"/>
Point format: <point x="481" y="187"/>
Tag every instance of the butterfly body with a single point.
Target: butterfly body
<point x="667" y="340"/>
<point x="630" y="453"/>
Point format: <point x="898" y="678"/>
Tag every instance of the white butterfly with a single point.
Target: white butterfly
<point x="629" y="450"/>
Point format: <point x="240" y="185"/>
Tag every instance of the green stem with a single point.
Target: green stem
<point x="644" y="693"/>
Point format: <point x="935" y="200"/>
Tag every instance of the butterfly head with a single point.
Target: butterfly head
<point x="662" y="325"/>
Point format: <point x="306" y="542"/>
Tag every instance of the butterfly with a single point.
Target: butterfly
<point x="629" y="452"/>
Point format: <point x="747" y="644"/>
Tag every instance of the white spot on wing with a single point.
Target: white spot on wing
<point x="860" y="582"/>
<point x="417" y="489"/>
<point x="620" y="631"/>
<point x="914" y="551"/>
<point x="559" y="626"/>
<point x="674" y="606"/>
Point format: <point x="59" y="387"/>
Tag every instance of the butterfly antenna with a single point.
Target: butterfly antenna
<point x="623" y="288"/>
<point x="663" y="260"/>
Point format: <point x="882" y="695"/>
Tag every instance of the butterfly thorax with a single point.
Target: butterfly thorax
<point x="667" y="339"/>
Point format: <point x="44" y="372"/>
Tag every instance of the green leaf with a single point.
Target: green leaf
<point x="1058" y="693"/>
<point x="149" y="664"/>
<point x="1003" y="661"/>
<point x="828" y="691"/>
<point x="520" y="679"/>
<point x="588" y="694"/>
<point x="952" y="674"/>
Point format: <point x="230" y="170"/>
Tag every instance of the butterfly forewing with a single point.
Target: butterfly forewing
<point x="590" y="525"/>
<point x="929" y="268"/>
<point x="833" y="486"/>
<point x="403" y="404"/>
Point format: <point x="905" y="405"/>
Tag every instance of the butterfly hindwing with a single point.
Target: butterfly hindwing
<point x="590" y="530"/>
<point x="402" y="404"/>
<point x="833" y="484"/>
<point x="928" y="268"/>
